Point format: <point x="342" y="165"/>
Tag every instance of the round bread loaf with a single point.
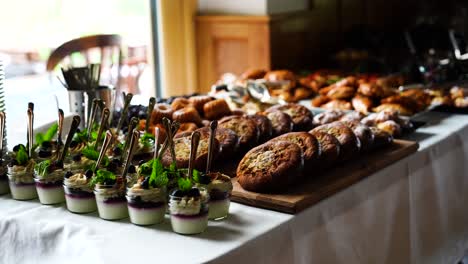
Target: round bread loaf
<point x="381" y="138"/>
<point x="199" y="101"/>
<point x="245" y="128"/>
<point x="228" y="140"/>
<point x="349" y="142"/>
<point x="363" y="132"/>
<point x="329" y="147"/>
<point x="264" y="126"/>
<point x="328" y="117"/>
<point x="182" y="151"/>
<point x="160" y="111"/>
<point x="309" y="145"/>
<point x="302" y="117"/>
<point x="270" y="167"/>
<point x="187" y="115"/>
<point x="216" y="109"/>
<point x="281" y="122"/>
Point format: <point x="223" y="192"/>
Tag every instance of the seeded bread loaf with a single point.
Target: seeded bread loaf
<point x="270" y="167"/>
<point x="264" y="126"/>
<point x="182" y="151"/>
<point x="349" y="143"/>
<point x="301" y="116"/>
<point x="329" y="147"/>
<point x="245" y="128"/>
<point x="363" y="132"/>
<point x="281" y="122"/>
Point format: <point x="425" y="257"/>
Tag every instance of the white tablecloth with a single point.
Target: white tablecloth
<point x="414" y="211"/>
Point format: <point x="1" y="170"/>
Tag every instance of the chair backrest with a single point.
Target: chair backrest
<point x="109" y="48"/>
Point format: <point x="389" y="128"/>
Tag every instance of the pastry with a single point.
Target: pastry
<point x="352" y="116"/>
<point x="391" y="127"/>
<point x="406" y="102"/>
<point x="282" y="75"/>
<point x="161" y="110"/>
<point x="179" y="103"/>
<point x="362" y="104"/>
<point x="349" y="143"/>
<point x="253" y="74"/>
<point x="363" y="132"/>
<point x="228" y="140"/>
<point x="341" y="92"/>
<point x="301" y="93"/>
<point x="281" y="122"/>
<point x="187" y="115"/>
<point x="461" y="102"/>
<point x="329" y="148"/>
<point x="309" y="145"/>
<point x="216" y="109"/>
<point x="264" y="126"/>
<point x="394" y="107"/>
<point x="301" y="116"/>
<point x="270" y="167"/>
<point x="381" y="138"/>
<point x="244" y="127"/>
<point x="187" y="127"/>
<point x="328" y="117"/>
<point x="199" y="101"/>
<point x="371" y="90"/>
<point x="182" y="151"/>
<point x="337" y="104"/>
<point x="319" y="100"/>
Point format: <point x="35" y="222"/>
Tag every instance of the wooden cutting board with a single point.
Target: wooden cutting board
<point x="308" y="193"/>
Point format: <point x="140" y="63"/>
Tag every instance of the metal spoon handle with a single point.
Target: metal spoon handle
<point x="105" y="145"/>
<point x="104" y="118"/>
<point x="127" y="99"/>
<point x="73" y="127"/>
<point x="152" y="102"/>
<point x="91" y="117"/>
<point x="211" y="145"/>
<point x="60" y="127"/>
<point x="2" y="132"/>
<point x="132" y="125"/>
<point x="30" y="131"/>
<point x="156" y="142"/>
<point x="131" y="150"/>
<point x="193" y="152"/>
<point x="164" y="147"/>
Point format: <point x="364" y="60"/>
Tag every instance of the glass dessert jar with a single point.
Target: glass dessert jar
<point x="111" y="201"/>
<point x="4" y="187"/>
<point x="49" y="187"/>
<point x="79" y="195"/>
<point x="189" y="211"/>
<point x="219" y="188"/>
<point x="146" y="206"/>
<point x="21" y="181"/>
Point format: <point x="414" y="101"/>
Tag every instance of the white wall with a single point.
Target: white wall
<point x="250" y="7"/>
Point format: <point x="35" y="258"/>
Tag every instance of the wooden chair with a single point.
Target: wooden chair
<point x="103" y="49"/>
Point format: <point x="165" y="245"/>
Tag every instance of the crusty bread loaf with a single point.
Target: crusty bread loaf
<point x="245" y="128"/>
<point x="301" y="116"/>
<point x="329" y="147"/>
<point x="264" y="126"/>
<point x="270" y="167"/>
<point x="349" y="142"/>
<point x="281" y="122"/>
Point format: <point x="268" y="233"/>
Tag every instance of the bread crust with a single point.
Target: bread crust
<point x="329" y="148"/>
<point x="349" y="142"/>
<point x="281" y="122"/>
<point x="309" y="145"/>
<point x="245" y="128"/>
<point x="227" y="139"/>
<point x="363" y="132"/>
<point x="182" y="149"/>
<point x="264" y="126"/>
<point x="270" y="167"/>
<point x="216" y="109"/>
<point x="381" y="138"/>
<point x="301" y="116"/>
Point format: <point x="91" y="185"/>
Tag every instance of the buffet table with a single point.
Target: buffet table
<point x="410" y="212"/>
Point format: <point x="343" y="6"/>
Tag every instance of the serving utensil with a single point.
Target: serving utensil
<point x="195" y="139"/>
<point x="73" y="128"/>
<point x="30" y="131"/>
<point x="152" y="102"/>
<point x="105" y="145"/>
<point x="131" y="151"/>
<point x="92" y="116"/>
<point x="174" y="127"/>
<point x="60" y="128"/>
<point x="127" y="99"/>
<point x="156" y="142"/>
<point x="2" y="132"/>
<point x="131" y="126"/>
<point x="104" y="118"/>
<point x="211" y="143"/>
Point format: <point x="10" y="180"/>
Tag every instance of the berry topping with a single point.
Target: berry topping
<point x="73" y="144"/>
<point x="58" y="164"/>
<point x="17" y="147"/>
<point x="132" y="169"/>
<point x="178" y="193"/>
<point x="112" y="167"/>
<point x="117" y="162"/>
<point x="145" y="183"/>
<point x="46" y="145"/>
<point x="13" y="162"/>
<point x="68" y="174"/>
<point x="77" y="157"/>
<point x="194" y="192"/>
<point x="141" y="162"/>
<point x="117" y="151"/>
<point x="89" y="174"/>
<point x="43" y="153"/>
<point x="204" y="179"/>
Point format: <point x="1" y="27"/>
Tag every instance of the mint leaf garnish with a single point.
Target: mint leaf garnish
<point x="22" y="156"/>
<point x="42" y="168"/>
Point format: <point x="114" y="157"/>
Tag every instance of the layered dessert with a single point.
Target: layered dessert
<point x="4" y="188"/>
<point x="145" y="146"/>
<point x="110" y="195"/>
<point x="49" y="181"/>
<point x="219" y="187"/>
<point x="79" y="194"/>
<point x="189" y="210"/>
<point x="77" y="162"/>
<point x="21" y="176"/>
<point x="132" y="176"/>
<point x="146" y="204"/>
